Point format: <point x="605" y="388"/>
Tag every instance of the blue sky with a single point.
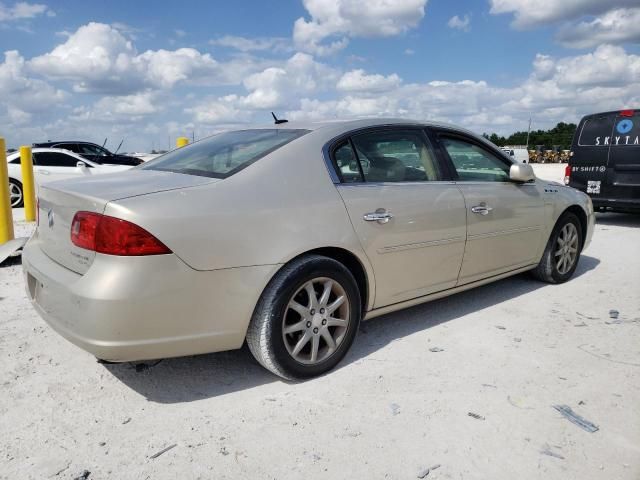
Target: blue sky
<point x="150" y="71"/>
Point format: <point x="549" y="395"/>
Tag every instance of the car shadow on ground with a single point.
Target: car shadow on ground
<point x="618" y="219"/>
<point x="186" y="379"/>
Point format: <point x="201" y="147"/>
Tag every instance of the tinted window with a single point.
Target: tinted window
<point x="88" y="149"/>
<point x="346" y="163"/>
<point x="224" y="154"/>
<point x="72" y="147"/>
<point x="596" y="131"/>
<point x="51" y="159"/>
<point x="395" y="156"/>
<point x="474" y="163"/>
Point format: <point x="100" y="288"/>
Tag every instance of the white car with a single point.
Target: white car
<point x="51" y="164"/>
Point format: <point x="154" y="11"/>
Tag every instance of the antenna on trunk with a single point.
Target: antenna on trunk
<point x="278" y="120"/>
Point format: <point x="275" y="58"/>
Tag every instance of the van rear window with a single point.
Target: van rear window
<point x="224" y="154"/>
<point x="596" y="130"/>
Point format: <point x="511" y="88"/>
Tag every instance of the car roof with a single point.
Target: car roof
<point x="64" y="141"/>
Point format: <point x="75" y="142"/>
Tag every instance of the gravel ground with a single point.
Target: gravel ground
<point x="400" y="403"/>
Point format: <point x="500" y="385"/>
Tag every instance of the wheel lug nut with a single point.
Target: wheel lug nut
<point x="312" y="312"/>
<point x="321" y="311"/>
<point x="308" y="324"/>
<point x="315" y="330"/>
<point x="324" y="321"/>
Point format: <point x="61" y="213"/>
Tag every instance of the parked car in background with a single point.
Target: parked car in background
<point x="51" y="164"/>
<point x="93" y="152"/>
<point x="286" y="236"/>
<point x="605" y="160"/>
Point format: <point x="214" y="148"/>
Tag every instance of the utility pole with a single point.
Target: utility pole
<point x="528" y="133"/>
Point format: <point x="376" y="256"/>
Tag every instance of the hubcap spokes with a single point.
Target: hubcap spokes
<point x="567" y="248"/>
<point x="315" y="321"/>
<point x="15" y="194"/>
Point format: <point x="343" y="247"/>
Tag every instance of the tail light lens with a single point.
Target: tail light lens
<point x="567" y="174"/>
<point x="626" y="113"/>
<point x="113" y="236"/>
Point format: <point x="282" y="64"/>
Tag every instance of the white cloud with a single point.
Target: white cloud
<point x="359" y="81"/>
<point x="21" y="92"/>
<point x="616" y="26"/>
<point x="99" y="58"/>
<point x="244" y="44"/>
<point x="332" y="22"/>
<point x="275" y="87"/>
<point x="23" y="10"/>
<point x="460" y="23"/>
<point x="532" y="13"/>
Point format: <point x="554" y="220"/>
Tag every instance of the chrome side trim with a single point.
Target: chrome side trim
<point x="410" y="246"/>
<point x="504" y="232"/>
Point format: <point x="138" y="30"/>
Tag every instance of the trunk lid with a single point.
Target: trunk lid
<point x="59" y="202"/>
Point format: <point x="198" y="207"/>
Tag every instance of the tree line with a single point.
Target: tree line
<point x="560" y="135"/>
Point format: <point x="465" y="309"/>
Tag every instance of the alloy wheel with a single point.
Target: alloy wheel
<point x="566" y="248"/>
<point x="316" y="320"/>
<point x="15" y="194"/>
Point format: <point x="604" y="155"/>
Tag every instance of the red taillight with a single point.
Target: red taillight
<point x="567" y="174"/>
<point x="626" y="113"/>
<point x="113" y="236"/>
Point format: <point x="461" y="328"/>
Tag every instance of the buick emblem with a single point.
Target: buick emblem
<point x="50" y="218"/>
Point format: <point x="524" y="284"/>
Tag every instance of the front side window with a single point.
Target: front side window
<point x="86" y="149"/>
<point x="224" y="154"/>
<point x="473" y="163"/>
<point x="53" y="159"/>
<point x="396" y="156"/>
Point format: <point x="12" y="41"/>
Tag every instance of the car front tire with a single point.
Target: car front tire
<point x="560" y="258"/>
<point x="306" y="319"/>
<point x="16" y="193"/>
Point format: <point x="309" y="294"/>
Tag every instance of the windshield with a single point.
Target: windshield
<point x="86" y="149"/>
<point x="223" y="155"/>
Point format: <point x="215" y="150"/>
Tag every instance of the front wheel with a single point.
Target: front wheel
<point x="560" y="258"/>
<point x="16" y="195"/>
<point x="306" y="319"/>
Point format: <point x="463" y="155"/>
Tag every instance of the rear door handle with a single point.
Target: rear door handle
<point x="380" y="216"/>
<point x="44" y="172"/>
<point x="481" y="209"/>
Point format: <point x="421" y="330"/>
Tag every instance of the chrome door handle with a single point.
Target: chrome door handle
<point x="44" y="172"/>
<point x="378" y="216"/>
<point x="481" y="209"/>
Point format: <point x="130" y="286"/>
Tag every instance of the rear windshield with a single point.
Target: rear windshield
<point x="224" y="154"/>
<point x="596" y="131"/>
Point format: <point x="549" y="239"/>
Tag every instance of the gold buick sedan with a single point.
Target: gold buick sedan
<point x="287" y="236"/>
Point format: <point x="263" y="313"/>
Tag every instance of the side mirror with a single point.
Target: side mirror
<point x="81" y="165"/>
<point x="522" y="172"/>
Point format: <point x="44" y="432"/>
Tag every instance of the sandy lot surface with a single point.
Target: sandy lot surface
<point x="395" y="407"/>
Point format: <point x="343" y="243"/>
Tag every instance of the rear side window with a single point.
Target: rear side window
<point x="396" y="156"/>
<point x="347" y="163"/>
<point x="224" y="154"/>
<point x="596" y="131"/>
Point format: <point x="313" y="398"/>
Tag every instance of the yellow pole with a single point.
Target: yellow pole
<point x="182" y="141"/>
<point x="6" y="215"/>
<point x="28" y="187"/>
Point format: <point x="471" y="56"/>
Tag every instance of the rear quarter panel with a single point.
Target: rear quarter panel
<point x="275" y="209"/>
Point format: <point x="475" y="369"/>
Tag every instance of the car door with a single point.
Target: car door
<point x="50" y="166"/>
<point x="409" y="218"/>
<point x="504" y="218"/>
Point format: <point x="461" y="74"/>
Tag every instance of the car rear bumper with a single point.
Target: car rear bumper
<point x="621" y="204"/>
<point x="141" y="308"/>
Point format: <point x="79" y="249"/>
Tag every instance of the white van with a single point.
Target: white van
<point x="519" y="154"/>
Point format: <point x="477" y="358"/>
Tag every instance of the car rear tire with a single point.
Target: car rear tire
<point x="560" y="258"/>
<point x="16" y="193"/>
<point x="306" y="319"/>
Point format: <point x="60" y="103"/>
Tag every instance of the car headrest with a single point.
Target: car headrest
<point x="386" y="169"/>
